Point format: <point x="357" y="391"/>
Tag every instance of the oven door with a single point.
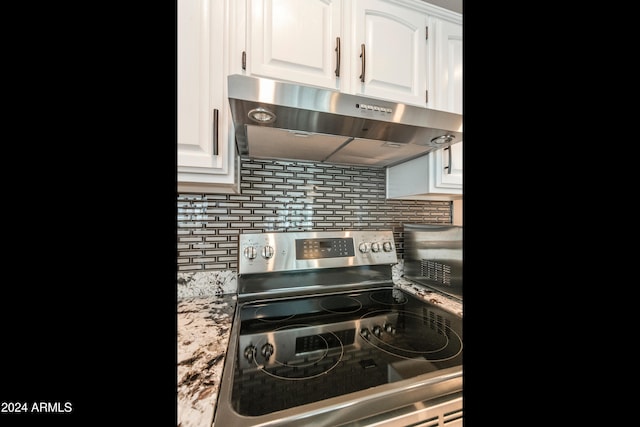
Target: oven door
<point x="421" y="399"/>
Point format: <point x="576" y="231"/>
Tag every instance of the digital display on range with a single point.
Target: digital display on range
<point x="324" y="248"/>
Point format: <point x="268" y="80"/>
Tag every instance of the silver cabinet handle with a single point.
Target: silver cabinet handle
<point x="215" y="131"/>
<point x="448" y="167"/>
<point x="364" y="60"/>
<point x="337" y="56"/>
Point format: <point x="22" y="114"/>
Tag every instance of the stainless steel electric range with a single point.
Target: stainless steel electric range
<point x="321" y="337"/>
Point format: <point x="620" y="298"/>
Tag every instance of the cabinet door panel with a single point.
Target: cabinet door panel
<point x="196" y="48"/>
<point x="395" y="52"/>
<point x="448" y="167"/>
<point x="206" y="161"/>
<point x="295" y="40"/>
<point x="448" y="66"/>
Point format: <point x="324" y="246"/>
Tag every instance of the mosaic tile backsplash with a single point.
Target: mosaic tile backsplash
<point x="292" y="196"/>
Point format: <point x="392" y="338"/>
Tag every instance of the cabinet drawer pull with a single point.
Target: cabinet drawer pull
<point x="363" y="56"/>
<point x="337" y="56"/>
<point x="215" y="131"/>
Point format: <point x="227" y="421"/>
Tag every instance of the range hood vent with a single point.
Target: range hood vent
<point x="279" y="120"/>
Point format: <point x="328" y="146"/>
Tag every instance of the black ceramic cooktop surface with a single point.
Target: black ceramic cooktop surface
<point x="304" y="349"/>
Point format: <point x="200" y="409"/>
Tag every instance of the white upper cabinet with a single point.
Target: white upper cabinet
<point x="438" y="175"/>
<point x="377" y="48"/>
<point x="427" y="177"/>
<point x="390" y="51"/>
<point x="298" y="41"/>
<point x="206" y="151"/>
<point x="448" y="97"/>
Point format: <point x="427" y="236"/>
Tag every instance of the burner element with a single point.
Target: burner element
<point x="267" y="313"/>
<point x="389" y="297"/>
<point x="340" y="304"/>
<point x="303" y="367"/>
<point x="432" y="340"/>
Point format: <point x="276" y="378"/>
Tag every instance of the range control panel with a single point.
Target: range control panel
<point x="324" y="248"/>
<point x="285" y="251"/>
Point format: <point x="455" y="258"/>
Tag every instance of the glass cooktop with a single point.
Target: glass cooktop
<point x="301" y="350"/>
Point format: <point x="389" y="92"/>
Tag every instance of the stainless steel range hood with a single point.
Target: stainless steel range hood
<point x="278" y="120"/>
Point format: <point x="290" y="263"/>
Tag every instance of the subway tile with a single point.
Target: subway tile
<point x="263" y="211"/>
<point x="252" y="179"/>
<point x="228" y="218"/>
<point x="295" y="168"/>
<point x="204" y="232"/>
<point x="304" y="175"/>
<point x="217" y="224"/>
<point x="232" y="246"/>
<point x="229" y="231"/>
<point x="215" y="252"/>
<point x="240" y="224"/>
<point x="251" y="192"/>
<point x="190" y="253"/>
<point x="215" y="197"/>
<point x="216" y="239"/>
<point x="274" y="166"/>
<point x="188" y="239"/>
<point x="281" y="199"/>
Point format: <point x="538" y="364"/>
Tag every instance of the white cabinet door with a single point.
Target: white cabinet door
<point x="447" y="61"/>
<point x="389" y="52"/>
<point x="447" y="164"/>
<point x="295" y="40"/>
<point x="420" y="179"/>
<point x="205" y="154"/>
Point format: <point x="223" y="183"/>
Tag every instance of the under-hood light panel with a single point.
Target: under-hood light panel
<point x="262" y="115"/>
<point x="443" y="139"/>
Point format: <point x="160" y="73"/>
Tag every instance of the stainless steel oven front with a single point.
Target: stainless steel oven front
<point x="322" y="337"/>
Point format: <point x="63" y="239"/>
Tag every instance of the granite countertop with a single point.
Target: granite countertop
<point x="204" y="324"/>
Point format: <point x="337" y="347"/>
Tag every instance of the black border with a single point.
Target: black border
<point x="89" y="313"/>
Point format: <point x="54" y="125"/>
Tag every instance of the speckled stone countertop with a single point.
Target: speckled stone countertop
<point x="204" y="323"/>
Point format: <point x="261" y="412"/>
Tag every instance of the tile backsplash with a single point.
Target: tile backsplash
<point x="280" y="195"/>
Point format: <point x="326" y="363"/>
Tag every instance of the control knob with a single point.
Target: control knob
<point x="377" y="331"/>
<point x="267" y="252"/>
<point x="363" y="247"/>
<point x="375" y="247"/>
<point x="386" y="246"/>
<point x="250" y="352"/>
<point x="250" y="252"/>
<point x="364" y="332"/>
<point x="267" y="350"/>
<point x="388" y="327"/>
